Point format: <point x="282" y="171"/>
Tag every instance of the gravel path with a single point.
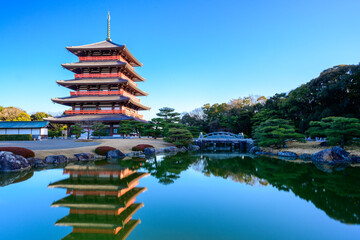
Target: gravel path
<point x="48" y="144"/>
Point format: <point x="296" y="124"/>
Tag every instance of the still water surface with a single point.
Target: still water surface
<point x="202" y="196"/>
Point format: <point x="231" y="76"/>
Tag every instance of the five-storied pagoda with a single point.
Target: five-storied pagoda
<point x="104" y="87"/>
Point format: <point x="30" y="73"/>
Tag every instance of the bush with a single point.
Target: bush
<point x="24" y="152"/>
<point x="103" y="150"/>
<point x="179" y="137"/>
<point x="18" y="137"/>
<point x="54" y="133"/>
<point x="274" y="132"/>
<point x="141" y="147"/>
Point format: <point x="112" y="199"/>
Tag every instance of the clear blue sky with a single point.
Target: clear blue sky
<point x="194" y="52"/>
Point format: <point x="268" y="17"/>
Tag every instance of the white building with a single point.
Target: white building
<point x="38" y="129"/>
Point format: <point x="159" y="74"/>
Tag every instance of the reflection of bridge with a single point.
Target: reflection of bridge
<point x="224" y="141"/>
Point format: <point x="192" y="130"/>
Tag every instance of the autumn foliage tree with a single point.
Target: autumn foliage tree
<point x="13" y="114"/>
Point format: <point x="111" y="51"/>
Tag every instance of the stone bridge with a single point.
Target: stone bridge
<point x="224" y="141"/>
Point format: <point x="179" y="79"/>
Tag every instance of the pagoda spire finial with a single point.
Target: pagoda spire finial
<point x="108" y="27"/>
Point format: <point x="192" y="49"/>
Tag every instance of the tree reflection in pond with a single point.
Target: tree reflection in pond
<point x="336" y="193"/>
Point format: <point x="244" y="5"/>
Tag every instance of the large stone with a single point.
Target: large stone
<point x="56" y="159"/>
<point x="85" y="156"/>
<point x="331" y="156"/>
<point x="253" y="150"/>
<point x="10" y="162"/>
<point x="171" y="149"/>
<point x="193" y="148"/>
<point x="354" y="159"/>
<point x="36" y="162"/>
<point x="116" y="154"/>
<point x="340" y="152"/>
<point x="183" y="149"/>
<point x="262" y="153"/>
<point x="305" y="157"/>
<point x="149" y="151"/>
<point x="287" y="154"/>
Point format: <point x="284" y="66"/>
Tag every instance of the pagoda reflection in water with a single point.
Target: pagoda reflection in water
<point x="101" y="200"/>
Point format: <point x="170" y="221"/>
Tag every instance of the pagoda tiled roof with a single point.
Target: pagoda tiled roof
<point x="116" y="118"/>
<point x="75" y="67"/>
<point x="112" y="98"/>
<point x="71" y="84"/>
<point x="121" y="235"/>
<point x="93" y="184"/>
<point x="100" y="221"/>
<point x="98" y="202"/>
<point x="105" y="45"/>
<point x="108" y="167"/>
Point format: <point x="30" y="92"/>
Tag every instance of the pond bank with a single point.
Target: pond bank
<point x="124" y="145"/>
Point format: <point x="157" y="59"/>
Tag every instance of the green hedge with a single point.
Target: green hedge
<point x="18" y="137"/>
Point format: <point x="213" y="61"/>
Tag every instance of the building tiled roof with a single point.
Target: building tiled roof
<point x="92" y="118"/>
<point x="93" y="64"/>
<point x="74" y="67"/>
<point x="23" y="124"/>
<point x="105" y="45"/>
<point x="99" y="45"/>
<point x="90" y="99"/>
<point x="100" y="81"/>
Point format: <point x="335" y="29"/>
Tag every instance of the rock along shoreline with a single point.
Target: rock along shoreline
<point x="331" y="156"/>
<point x="10" y="162"/>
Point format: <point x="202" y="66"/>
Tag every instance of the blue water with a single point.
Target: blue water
<point x="205" y="197"/>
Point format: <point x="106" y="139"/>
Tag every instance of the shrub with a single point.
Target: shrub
<point x="179" y="137"/>
<point x="24" y="152"/>
<point x="17" y="137"/>
<point x="141" y="147"/>
<point x="54" y="133"/>
<point x="274" y="132"/>
<point x="103" y="150"/>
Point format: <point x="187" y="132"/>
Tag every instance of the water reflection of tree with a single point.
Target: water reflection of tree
<point x="337" y="193"/>
<point x="169" y="168"/>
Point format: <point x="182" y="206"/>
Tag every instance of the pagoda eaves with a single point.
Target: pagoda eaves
<point x="111" y="47"/>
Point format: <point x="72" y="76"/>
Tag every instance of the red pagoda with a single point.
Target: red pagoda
<point x="104" y="87"/>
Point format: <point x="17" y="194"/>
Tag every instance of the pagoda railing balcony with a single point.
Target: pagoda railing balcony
<point x="104" y="93"/>
<point x="101" y="58"/>
<point x="104" y="58"/>
<point x="103" y="75"/>
<point x="126" y="112"/>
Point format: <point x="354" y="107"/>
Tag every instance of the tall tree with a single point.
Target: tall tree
<point x="14" y="114"/>
<point x="39" y="116"/>
<point x="125" y="127"/>
<point x="98" y="129"/>
<point x="169" y="115"/>
<point x="77" y="130"/>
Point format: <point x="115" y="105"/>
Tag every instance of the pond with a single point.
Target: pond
<point x="184" y="196"/>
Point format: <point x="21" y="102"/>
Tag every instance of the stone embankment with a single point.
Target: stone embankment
<point x="10" y="162"/>
<point x="331" y="156"/>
